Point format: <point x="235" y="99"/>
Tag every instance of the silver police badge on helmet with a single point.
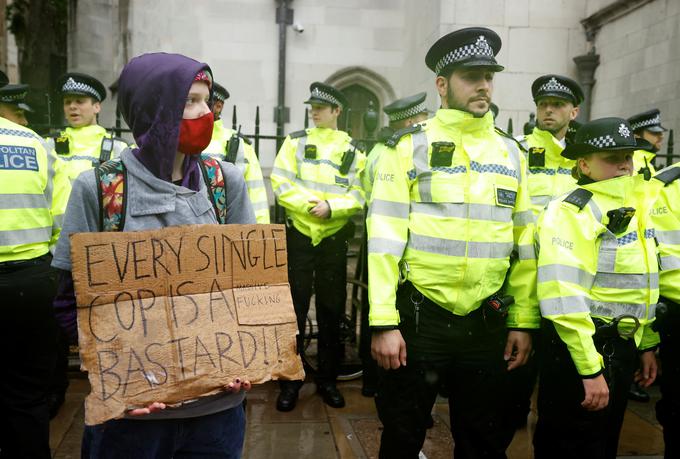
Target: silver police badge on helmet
<point x="624" y="131"/>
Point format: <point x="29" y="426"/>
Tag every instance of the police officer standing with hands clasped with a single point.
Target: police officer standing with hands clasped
<point x="316" y="179"/>
<point x="450" y="249"/>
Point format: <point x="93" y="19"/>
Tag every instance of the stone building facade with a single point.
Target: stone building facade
<point x="376" y="49"/>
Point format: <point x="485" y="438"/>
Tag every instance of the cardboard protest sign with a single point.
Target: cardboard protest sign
<point x="178" y="313"/>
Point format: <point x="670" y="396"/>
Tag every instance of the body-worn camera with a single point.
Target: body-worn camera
<point x="619" y="219"/>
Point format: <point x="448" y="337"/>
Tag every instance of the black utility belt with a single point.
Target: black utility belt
<point x="18" y="264"/>
<point x="493" y="310"/>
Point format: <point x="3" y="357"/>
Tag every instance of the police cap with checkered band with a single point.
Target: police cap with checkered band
<point x="470" y="47"/>
<point x="15" y="94"/>
<point x="324" y="94"/>
<point x="220" y="92"/>
<point x="604" y="135"/>
<point x="82" y="85"/>
<point x="407" y="107"/>
<point x="647" y="121"/>
<point x="557" y="86"/>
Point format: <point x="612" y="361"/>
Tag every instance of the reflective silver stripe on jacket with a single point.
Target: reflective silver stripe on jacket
<point x="542" y="200"/>
<point x="523" y="218"/>
<point x="579" y="304"/>
<point x="525" y="252"/>
<point x="380" y="245"/>
<point x="623" y="281"/>
<point x="24" y="201"/>
<point x="668" y="237"/>
<point x="464" y="210"/>
<point x="670" y="262"/>
<point x="457" y="248"/>
<point x="388" y="208"/>
<point x="25" y="236"/>
<point x="284" y="173"/>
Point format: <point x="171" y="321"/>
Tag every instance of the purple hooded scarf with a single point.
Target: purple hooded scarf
<point x="152" y="92"/>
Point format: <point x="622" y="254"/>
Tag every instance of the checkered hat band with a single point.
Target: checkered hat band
<point x="73" y="86"/>
<point x="602" y="141"/>
<point x="12" y="97"/>
<point x="555" y="86"/>
<point x="461" y="53"/>
<point x="220" y="97"/>
<point x="648" y="122"/>
<point x="407" y="113"/>
<point x="317" y="93"/>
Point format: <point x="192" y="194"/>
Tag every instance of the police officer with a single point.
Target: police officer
<point x="84" y="144"/>
<point x="401" y="113"/>
<point x="557" y="101"/>
<point x="33" y="193"/>
<point x="449" y="225"/>
<point x="316" y="179"/>
<point x="666" y="219"/>
<point x="647" y="125"/>
<point x="228" y="145"/>
<point x="597" y="288"/>
<point x="13" y="104"/>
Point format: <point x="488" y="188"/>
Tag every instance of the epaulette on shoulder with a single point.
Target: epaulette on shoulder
<point x="246" y="139"/>
<point x="298" y="134"/>
<point x="579" y="197"/>
<point x="394" y="140"/>
<point x="668" y="175"/>
<point x="501" y="132"/>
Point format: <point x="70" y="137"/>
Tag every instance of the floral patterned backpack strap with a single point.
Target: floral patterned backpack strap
<point x="217" y="189"/>
<point x="111" y="176"/>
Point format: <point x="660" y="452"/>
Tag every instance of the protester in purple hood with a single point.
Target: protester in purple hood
<point x="164" y="99"/>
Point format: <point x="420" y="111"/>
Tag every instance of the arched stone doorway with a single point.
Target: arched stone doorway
<point x="361" y="86"/>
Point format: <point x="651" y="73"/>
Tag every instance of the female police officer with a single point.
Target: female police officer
<point x="597" y="287"/>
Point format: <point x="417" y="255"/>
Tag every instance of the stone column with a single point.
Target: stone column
<point x="586" y="65"/>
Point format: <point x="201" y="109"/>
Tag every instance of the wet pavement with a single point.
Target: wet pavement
<point x="314" y="430"/>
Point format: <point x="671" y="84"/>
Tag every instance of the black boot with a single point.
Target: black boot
<point x="331" y="395"/>
<point x="288" y="397"/>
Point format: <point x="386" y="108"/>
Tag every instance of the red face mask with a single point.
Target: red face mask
<point x="195" y="134"/>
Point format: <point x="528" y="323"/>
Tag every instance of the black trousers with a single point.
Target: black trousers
<point x="565" y="429"/>
<point x="322" y="270"/>
<point x="668" y="408"/>
<point x="28" y="338"/>
<point x="462" y="357"/>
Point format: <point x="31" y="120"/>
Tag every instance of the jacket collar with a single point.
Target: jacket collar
<point x="155" y="196"/>
<point x="464" y="121"/>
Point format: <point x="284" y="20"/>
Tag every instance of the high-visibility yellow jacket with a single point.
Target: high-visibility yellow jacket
<point x="34" y="189"/>
<point x="299" y="175"/>
<point x="84" y="148"/>
<point x="551" y="179"/>
<point x="368" y="174"/>
<point x="666" y="218"/>
<point x="586" y="271"/>
<point x="642" y="159"/>
<point x="247" y="162"/>
<point x="449" y="225"/>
